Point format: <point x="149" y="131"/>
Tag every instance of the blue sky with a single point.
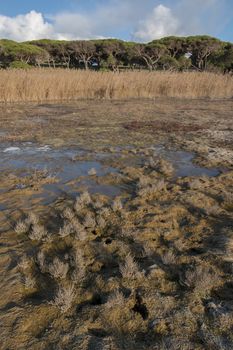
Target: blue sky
<point x="139" y="20"/>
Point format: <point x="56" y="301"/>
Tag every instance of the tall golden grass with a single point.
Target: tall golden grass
<point x="62" y="85"/>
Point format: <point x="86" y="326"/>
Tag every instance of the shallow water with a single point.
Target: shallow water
<point x="23" y="158"/>
<point x="183" y="164"/>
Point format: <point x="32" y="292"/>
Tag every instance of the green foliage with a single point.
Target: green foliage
<point x="169" y="63"/>
<point x="13" y="48"/>
<point x="184" y="63"/>
<point x="11" y="51"/>
<point x="224" y="59"/>
<point x="166" y="53"/>
<point x="19" y="65"/>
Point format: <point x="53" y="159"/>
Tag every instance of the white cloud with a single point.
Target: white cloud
<point x="160" y="23"/>
<point x="33" y="26"/>
<point x="184" y="17"/>
<point x="146" y="20"/>
<point x="25" y="27"/>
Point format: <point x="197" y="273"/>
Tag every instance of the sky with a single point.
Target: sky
<point x="132" y="20"/>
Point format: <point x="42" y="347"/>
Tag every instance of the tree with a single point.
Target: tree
<point x="110" y="51"/>
<point x="202" y="47"/>
<point x="176" y="46"/>
<point x="83" y="51"/>
<point x="224" y="59"/>
<point x="170" y="53"/>
<point x="23" y="52"/>
<point x="65" y="51"/>
<point x="150" y="53"/>
<point x="169" y="63"/>
<point x="59" y="51"/>
<point x="184" y="63"/>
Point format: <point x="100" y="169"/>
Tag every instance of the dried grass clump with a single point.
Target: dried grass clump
<point x="32" y="219"/>
<point x="195" y="184"/>
<point x="68" y="214"/>
<point x="98" y="204"/>
<point x="225" y="243"/>
<point x="41" y="261"/>
<point x="59" y="84"/>
<point x="130" y="270"/>
<point x="58" y="269"/>
<point x="152" y="189"/>
<point x="173" y="343"/>
<point x="119" y="318"/>
<point x="80" y="231"/>
<point x="169" y="258"/>
<point x="164" y="167"/>
<point x="101" y="222"/>
<point x="38" y="232"/>
<point x="29" y="282"/>
<point x="105" y="213"/>
<point x="66" y="230"/>
<point x="116" y="299"/>
<point x="228" y="201"/>
<point x="148" y="251"/>
<point x="144" y="181"/>
<point x="79" y="272"/>
<point x="117" y="205"/>
<point x="89" y="220"/>
<point x="26" y="267"/>
<point x="64" y="297"/>
<point x="212" y="340"/>
<point x="201" y="280"/>
<point x="21" y="227"/>
<point x="24" y="263"/>
<point x="82" y="201"/>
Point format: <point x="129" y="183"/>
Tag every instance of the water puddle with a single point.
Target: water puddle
<point x="25" y="158"/>
<point x="183" y="164"/>
<point x="72" y="170"/>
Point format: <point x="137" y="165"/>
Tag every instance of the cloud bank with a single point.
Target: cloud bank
<point x="159" y="24"/>
<point x="25" y="27"/>
<point x="128" y="19"/>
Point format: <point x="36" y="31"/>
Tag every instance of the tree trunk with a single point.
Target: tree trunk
<point x="86" y="64"/>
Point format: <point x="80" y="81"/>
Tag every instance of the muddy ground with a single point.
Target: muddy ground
<point x="117" y="225"/>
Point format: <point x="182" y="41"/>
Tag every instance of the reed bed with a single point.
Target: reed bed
<point x="63" y="85"/>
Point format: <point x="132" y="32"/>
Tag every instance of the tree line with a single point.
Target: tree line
<point x="171" y="53"/>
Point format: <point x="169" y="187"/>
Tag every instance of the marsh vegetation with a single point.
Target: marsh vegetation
<point x="41" y="85"/>
<point x="147" y="265"/>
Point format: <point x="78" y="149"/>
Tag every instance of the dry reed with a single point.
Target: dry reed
<point x="59" y="84"/>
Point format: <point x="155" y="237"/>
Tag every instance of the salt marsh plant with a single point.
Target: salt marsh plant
<point x="129" y="269"/>
<point x="68" y="214"/>
<point x="21" y="227"/>
<point x="89" y="220"/>
<point x="117" y="205"/>
<point x="169" y="258"/>
<point x="64" y="297"/>
<point x="38" y="232"/>
<point x="58" y="269"/>
<point x="66" y="230"/>
<point x="79" y="272"/>
<point x="32" y="219"/>
<point x="82" y="201"/>
<point x="161" y="269"/>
